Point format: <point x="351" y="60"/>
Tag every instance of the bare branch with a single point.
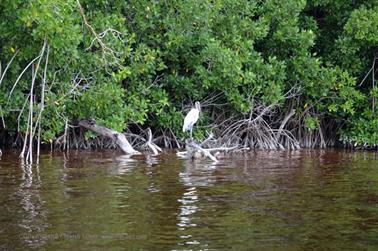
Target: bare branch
<point x="105" y="49"/>
<point x="117" y="137"/>
<point x="192" y="145"/>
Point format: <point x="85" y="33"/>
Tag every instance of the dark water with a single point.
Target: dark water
<point x="263" y="200"/>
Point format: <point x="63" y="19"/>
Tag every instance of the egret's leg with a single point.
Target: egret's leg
<point x="191" y="135"/>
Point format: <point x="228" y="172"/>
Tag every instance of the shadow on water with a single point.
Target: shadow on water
<point x="261" y="200"/>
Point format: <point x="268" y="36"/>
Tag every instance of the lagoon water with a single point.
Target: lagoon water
<point x="260" y="200"/>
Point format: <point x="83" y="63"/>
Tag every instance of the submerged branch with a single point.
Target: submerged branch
<point x="192" y="146"/>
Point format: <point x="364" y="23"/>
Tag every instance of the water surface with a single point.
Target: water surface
<point x="261" y="200"/>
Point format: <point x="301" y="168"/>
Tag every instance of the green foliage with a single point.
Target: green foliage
<point x="161" y="54"/>
<point x="362" y="131"/>
<point x="104" y="103"/>
<point x="311" y="123"/>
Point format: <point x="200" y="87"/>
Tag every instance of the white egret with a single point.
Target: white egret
<point x="191" y="118"/>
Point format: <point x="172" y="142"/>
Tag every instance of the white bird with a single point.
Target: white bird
<point x="191" y="118"/>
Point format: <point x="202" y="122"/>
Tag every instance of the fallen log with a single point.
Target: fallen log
<point x="117" y="137"/>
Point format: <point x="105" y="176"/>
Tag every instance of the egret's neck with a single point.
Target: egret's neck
<point x="198" y="106"/>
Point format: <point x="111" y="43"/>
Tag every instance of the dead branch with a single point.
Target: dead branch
<point x="192" y="146"/>
<point x="222" y="149"/>
<point x="115" y="136"/>
<point x="105" y="49"/>
<point x="81" y="9"/>
<point x="114" y="32"/>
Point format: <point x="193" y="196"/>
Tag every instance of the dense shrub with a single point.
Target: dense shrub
<point x="150" y="59"/>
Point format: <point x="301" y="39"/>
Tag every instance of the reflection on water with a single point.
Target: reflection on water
<point x="262" y="200"/>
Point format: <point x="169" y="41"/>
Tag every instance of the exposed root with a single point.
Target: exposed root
<point x="30" y="131"/>
<point x="264" y="127"/>
<point x="168" y="139"/>
<point x="150" y="144"/>
<point x="255" y="132"/>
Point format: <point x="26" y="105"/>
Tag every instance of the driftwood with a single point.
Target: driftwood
<point x="192" y="147"/>
<point x="117" y="137"/>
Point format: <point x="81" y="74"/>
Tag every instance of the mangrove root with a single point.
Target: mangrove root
<point x="150" y="144"/>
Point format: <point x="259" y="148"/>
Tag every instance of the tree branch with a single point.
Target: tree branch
<point x="117" y="137"/>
